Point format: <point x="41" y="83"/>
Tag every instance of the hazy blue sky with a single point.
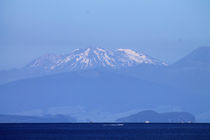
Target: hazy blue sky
<point x="165" y="29"/>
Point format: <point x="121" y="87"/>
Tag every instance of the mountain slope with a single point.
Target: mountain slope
<point x="102" y="91"/>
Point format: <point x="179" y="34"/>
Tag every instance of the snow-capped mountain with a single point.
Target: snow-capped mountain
<point x="148" y="85"/>
<point x="81" y="59"/>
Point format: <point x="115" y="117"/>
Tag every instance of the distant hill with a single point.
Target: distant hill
<point x="192" y="72"/>
<point x="199" y="58"/>
<point x="152" y="116"/>
<point x="35" y="119"/>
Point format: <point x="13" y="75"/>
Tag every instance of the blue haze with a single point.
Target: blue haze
<point x="163" y="29"/>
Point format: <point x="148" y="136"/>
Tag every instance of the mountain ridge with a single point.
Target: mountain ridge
<point x="80" y="60"/>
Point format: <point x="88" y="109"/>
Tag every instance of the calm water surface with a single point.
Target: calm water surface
<point x="105" y="131"/>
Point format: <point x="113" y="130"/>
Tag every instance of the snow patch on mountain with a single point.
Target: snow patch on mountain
<point x="136" y="57"/>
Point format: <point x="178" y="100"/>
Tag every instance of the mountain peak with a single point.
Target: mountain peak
<point x="86" y="58"/>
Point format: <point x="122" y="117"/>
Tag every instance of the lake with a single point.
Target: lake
<point x="105" y="131"/>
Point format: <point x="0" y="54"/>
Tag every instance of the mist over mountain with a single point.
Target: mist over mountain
<point x="36" y="119"/>
<point x="109" y="81"/>
<point x="100" y="90"/>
